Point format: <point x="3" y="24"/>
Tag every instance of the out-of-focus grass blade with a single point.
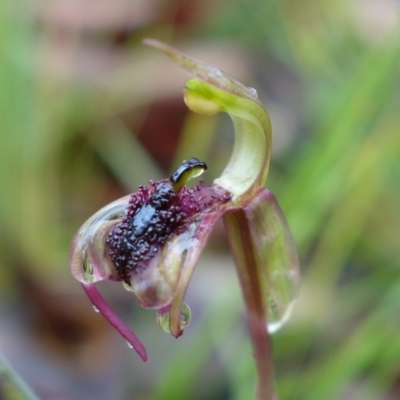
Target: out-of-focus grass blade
<point x="11" y="384"/>
<point x="122" y="152"/>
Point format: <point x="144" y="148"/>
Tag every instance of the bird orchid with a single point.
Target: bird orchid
<point x="151" y="240"/>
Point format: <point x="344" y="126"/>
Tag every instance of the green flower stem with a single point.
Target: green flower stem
<point x="10" y="379"/>
<point x="249" y="270"/>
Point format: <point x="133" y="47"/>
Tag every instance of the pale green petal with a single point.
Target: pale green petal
<point x="266" y="255"/>
<point x="213" y="91"/>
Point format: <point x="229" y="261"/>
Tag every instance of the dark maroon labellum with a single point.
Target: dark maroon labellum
<point x="154" y="215"/>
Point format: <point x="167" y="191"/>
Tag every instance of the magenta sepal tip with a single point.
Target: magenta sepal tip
<point x="103" y="307"/>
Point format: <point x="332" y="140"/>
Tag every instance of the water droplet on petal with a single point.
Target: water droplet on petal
<point x="127" y="287"/>
<point x="163" y="318"/>
<point x="186" y="316"/>
<point x="282" y="296"/>
<point x="163" y="321"/>
<point x="129" y="345"/>
<point x="96" y="310"/>
<point x="277" y="321"/>
<point x="87" y="268"/>
<point x="252" y="91"/>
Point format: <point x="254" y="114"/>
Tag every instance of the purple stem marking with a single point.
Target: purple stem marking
<point x="99" y="302"/>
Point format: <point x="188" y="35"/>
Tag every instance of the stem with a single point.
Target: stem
<point x="248" y="265"/>
<point x="103" y="307"/>
<point x="11" y="378"/>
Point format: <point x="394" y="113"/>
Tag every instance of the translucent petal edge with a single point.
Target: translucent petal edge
<point x="88" y="245"/>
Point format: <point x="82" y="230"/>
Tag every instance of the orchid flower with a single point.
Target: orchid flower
<point x="151" y="240"/>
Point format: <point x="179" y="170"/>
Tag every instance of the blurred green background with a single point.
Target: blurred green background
<point x="87" y="113"/>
